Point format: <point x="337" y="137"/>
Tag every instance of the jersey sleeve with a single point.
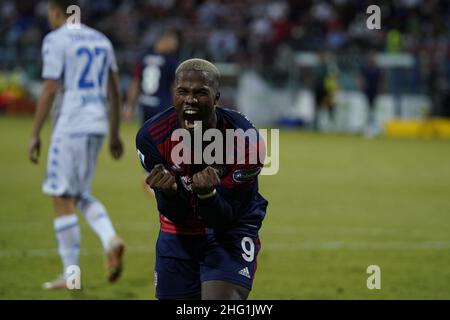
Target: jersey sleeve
<point x="239" y="185"/>
<point x="113" y="62"/>
<point x="248" y="160"/>
<point x="175" y="208"/>
<point x="148" y="154"/>
<point x="52" y="57"/>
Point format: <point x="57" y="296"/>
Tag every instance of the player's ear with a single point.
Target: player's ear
<point x="217" y="97"/>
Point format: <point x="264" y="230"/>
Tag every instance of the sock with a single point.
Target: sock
<point x="67" y="233"/>
<point x="98" y="219"/>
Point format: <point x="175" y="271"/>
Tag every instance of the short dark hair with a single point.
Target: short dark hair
<point x="202" y="66"/>
<point x="64" y="4"/>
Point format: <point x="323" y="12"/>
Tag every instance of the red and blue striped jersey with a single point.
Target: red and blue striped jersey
<point x="238" y="190"/>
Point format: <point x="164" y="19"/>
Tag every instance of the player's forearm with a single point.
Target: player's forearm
<point x="132" y="94"/>
<point x="114" y="117"/>
<point x="43" y="106"/>
<point x="114" y="99"/>
<point x="216" y="211"/>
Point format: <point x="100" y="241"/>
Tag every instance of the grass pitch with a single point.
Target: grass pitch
<point x="338" y="204"/>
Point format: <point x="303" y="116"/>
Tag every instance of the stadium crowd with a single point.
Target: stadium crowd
<point x="251" y="33"/>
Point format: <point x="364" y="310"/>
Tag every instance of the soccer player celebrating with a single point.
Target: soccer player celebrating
<point x="83" y="60"/>
<point x="210" y="215"/>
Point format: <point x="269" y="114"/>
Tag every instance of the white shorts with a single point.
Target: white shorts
<point x="71" y="164"/>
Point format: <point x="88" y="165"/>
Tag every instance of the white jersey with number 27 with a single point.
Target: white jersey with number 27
<point x="81" y="58"/>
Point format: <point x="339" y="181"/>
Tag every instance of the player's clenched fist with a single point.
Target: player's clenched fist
<point x="161" y="179"/>
<point x="204" y="182"/>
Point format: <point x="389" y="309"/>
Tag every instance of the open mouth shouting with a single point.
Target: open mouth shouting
<point x="191" y="116"/>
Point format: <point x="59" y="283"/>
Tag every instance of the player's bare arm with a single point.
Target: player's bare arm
<point x="115" y="144"/>
<point x="44" y="104"/>
<point x="132" y="94"/>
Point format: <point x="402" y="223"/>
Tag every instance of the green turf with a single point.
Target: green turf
<point x="338" y="204"/>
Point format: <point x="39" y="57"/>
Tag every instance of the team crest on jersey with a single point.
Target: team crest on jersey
<point x="245" y="174"/>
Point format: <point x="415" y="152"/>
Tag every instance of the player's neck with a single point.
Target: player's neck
<point x="59" y="24"/>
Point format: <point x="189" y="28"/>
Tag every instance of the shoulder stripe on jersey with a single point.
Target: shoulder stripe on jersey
<point x="165" y="131"/>
<point x="161" y="121"/>
<point x="158" y="130"/>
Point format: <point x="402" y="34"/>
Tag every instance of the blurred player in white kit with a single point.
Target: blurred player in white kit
<point x="80" y="62"/>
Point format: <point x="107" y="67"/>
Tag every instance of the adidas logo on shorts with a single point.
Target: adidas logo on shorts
<point x="244" y="272"/>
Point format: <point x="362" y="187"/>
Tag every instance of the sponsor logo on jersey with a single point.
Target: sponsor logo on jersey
<point x="245" y="174"/>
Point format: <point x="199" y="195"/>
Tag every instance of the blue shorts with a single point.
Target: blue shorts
<point x="183" y="262"/>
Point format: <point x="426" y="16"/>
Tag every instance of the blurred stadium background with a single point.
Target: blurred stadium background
<point x="339" y="203"/>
